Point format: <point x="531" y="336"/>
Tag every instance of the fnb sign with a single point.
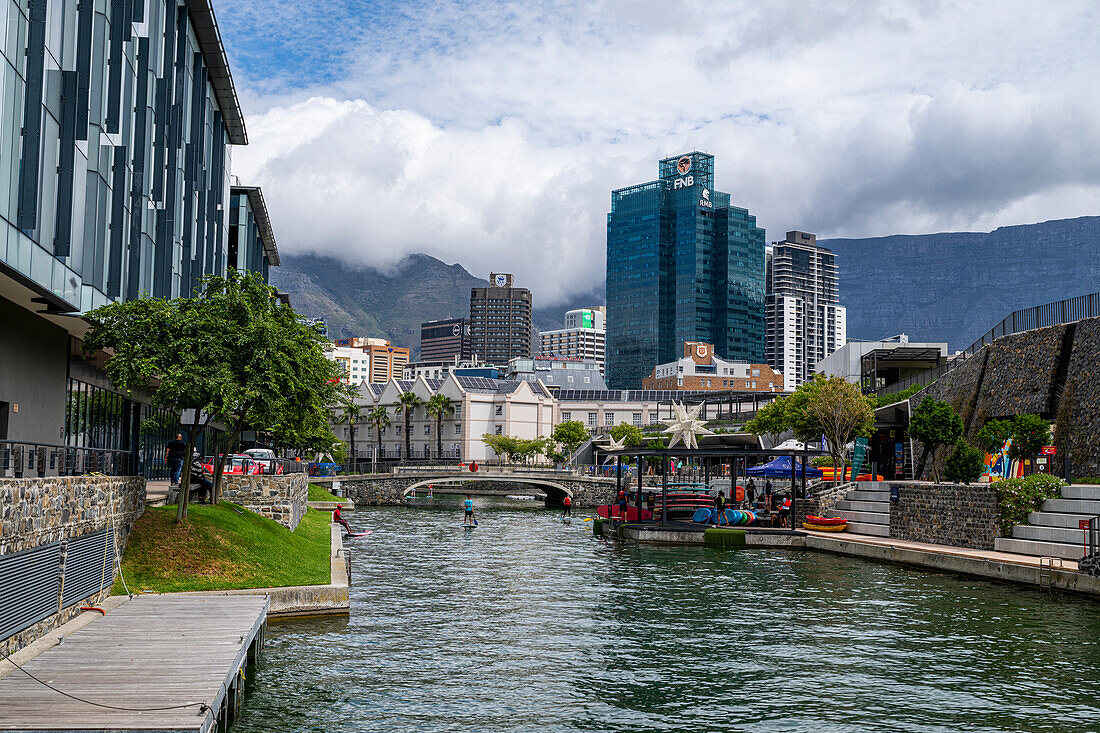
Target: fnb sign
<point x="685" y="182"/>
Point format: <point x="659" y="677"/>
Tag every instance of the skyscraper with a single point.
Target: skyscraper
<point x="584" y="337"/>
<point x="444" y="340"/>
<point x="500" y="320"/>
<point x="805" y="321"/>
<point x="682" y="265"/>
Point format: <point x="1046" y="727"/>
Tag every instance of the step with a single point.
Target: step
<point x="861" y="495"/>
<point x="1081" y="491"/>
<point x="876" y="530"/>
<point x="1054" y="519"/>
<point x="1072" y="506"/>
<point x="1038" y="548"/>
<point x="862" y="517"/>
<point x="1064" y="535"/>
<point x="878" y="507"/>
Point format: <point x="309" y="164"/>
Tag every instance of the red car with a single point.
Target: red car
<point x="239" y="465"/>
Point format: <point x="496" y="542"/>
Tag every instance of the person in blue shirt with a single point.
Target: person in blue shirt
<point x="469" y="505"/>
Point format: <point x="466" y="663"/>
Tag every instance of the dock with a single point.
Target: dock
<point x="164" y="663"/>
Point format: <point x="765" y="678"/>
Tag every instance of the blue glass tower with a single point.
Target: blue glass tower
<point x="682" y="265"/>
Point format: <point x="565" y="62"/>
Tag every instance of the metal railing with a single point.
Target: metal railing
<point x="30" y="460"/>
<point x="1025" y="319"/>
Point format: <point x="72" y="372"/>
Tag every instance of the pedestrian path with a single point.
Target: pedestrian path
<point x="153" y="663"/>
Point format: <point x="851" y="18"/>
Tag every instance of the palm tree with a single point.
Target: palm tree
<point x="439" y="406"/>
<point x="379" y="419"/>
<point x="351" y="416"/>
<point x="407" y="402"/>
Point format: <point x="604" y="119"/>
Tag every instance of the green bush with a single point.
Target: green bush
<point x="1087" y="480"/>
<point x="965" y="464"/>
<point x="1018" y="497"/>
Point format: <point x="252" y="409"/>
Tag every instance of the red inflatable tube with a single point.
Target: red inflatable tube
<point x="825" y="520"/>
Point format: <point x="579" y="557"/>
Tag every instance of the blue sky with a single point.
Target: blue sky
<point x="491" y="134"/>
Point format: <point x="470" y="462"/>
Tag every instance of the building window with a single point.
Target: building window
<point x="756" y="372"/>
<point x="458" y="430"/>
<point x="591" y="418"/>
<point x="397" y="429"/>
<point x="653" y="418"/>
<point x="427" y="430"/>
<point x="609" y="418"/>
<point x="637" y="418"/>
<point x="565" y="416"/>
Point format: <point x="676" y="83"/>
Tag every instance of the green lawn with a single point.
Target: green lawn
<point x="320" y="493"/>
<point x="223" y="547"/>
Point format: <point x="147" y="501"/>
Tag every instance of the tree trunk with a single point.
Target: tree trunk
<point x="185" y="477"/>
<point x="219" y="465"/>
<point x="408" y="438"/>
<point x="378" y="430"/>
<point x="439" y="436"/>
<point x="351" y="443"/>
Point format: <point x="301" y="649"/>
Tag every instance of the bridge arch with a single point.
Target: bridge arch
<point x="555" y="492"/>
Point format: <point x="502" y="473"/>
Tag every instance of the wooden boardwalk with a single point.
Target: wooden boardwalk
<point x="150" y="652"/>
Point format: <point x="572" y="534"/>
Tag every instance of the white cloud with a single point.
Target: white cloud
<point x="492" y="135"/>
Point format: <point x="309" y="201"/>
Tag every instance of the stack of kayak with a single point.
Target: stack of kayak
<point x="730" y="517"/>
<point x="825" y="524"/>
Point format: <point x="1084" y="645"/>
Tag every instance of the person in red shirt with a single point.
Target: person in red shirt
<point x="339" y="519"/>
<point x="567" y="507"/>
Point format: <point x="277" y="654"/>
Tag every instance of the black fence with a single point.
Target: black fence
<point x="30" y="460"/>
<point x="1025" y="319"/>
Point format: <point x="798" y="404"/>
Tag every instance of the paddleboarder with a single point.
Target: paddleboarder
<point x="338" y="519"/>
<point x="469" y="506"/>
<point x="567" y="507"/>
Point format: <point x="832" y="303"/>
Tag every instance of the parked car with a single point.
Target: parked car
<point x="238" y="464"/>
<point x="266" y="459"/>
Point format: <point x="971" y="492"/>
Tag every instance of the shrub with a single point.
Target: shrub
<point x="1018" y="497"/>
<point x="1029" y="434"/>
<point x="965" y="464"/>
<point x="991" y="438"/>
<point x="1087" y="480"/>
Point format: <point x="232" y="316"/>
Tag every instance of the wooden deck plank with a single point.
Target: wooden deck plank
<point x="154" y="651"/>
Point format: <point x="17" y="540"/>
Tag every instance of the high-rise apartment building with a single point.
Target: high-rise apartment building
<point x="369" y="359"/>
<point x="682" y="265"/>
<point x="583" y="337"/>
<point x="500" y="321"/>
<point x="115" y="133"/>
<point x="804" y="319"/>
<point x="445" y="340"/>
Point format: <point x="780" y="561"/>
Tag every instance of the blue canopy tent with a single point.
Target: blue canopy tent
<point x="781" y="468"/>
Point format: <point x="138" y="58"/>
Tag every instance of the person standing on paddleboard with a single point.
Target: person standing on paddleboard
<point x="566" y="507"/>
<point x="338" y="519"/>
<point x="469" y="505"/>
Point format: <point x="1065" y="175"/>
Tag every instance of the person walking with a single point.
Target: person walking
<point x="768" y="490"/>
<point x="719" y="508"/>
<point x="174" y="454"/>
<point x="750" y="493"/>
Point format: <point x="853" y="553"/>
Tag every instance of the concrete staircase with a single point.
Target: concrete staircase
<point x="1054" y="530"/>
<point x="867" y="511"/>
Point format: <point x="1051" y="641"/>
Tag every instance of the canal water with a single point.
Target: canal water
<point x="526" y="624"/>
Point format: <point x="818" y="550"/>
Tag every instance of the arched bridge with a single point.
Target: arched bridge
<point x="393" y="488"/>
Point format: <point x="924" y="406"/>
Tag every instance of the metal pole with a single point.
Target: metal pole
<point x="639" y="460"/>
<point x="618" y="482"/>
<point x="794" y="481"/>
<point x="803" y="468"/>
<point x="664" y="489"/>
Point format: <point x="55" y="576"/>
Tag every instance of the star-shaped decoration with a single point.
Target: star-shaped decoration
<point x="619" y="444"/>
<point x="686" y="426"/>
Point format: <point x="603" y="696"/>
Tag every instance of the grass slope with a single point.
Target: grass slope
<point x="221" y="549"/>
<point x="320" y="493"/>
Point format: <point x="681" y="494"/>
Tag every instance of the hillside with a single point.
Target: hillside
<point x="366" y="301"/>
<point x="956" y="286"/>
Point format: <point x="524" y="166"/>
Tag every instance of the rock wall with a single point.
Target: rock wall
<point x="281" y="498"/>
<point x="1090" y="565"/>
<point x="40" y="511"/>
<point x="1079" y="404"/>
<point x="945" y="514"/>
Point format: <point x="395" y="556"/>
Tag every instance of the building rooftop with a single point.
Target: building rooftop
<point x="263" y="220"/>
<point x="221" y="80"/>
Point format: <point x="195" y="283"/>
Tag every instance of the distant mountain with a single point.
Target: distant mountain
<point x="366" y="301"/>
<point x="956" y="286"/>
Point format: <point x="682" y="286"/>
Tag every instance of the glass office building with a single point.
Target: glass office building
<point x="116" y="124"/>
<point x="682" y="265"/>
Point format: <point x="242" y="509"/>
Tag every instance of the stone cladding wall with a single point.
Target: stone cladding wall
<point x="1090" y="565"/>
<point x="1079" y="407"/>
<point x="281" y="498"/>
<point x="40" y="511"/>
<point x="945" y="514"/>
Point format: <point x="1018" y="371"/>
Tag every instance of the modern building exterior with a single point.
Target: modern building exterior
<point x="683" y="264"/>
<point x="115" y="133"/>
<point x="500" y="321"/>
<point x="876" y="364"/>
<point x="445" y="340"/>
<point x="701" y="370"/>
<point x="369" y="359"/>
<point x="584" y="337"/>
<point x="481" y="406"/>
<point x="557" y="372"/>
<point x="804" y="319"/>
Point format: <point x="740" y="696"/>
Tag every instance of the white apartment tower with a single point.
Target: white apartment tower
<point x="583" y="337"/>
<point x="804" y="321"/>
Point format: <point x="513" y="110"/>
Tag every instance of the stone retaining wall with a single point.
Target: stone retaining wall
<point x="281" y="498"/>
<point x="945" y="514"/>
<point x="40" y="511"/>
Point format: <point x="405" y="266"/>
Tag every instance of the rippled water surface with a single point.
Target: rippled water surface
<point x="526" y="624"/>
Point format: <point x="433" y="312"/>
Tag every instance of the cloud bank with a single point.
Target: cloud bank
<point x="492" y="134"/>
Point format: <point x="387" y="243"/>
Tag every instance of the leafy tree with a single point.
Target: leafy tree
<point x="570" y="434"/>
<point x="991" y="438"/>
<point x="379" y="419"/>
<point x="830" y="407"/>
<point x="503" y="445"/>
<point x="935" y="424"/>
<point x="350" y="415"/>
<point x="439" y="406"/>
<point x="965" y="464"/>
<point x="528" y="448"/>
<point x="772" y="420"/>
<point x="632" y="433"/>
<point x="406" y="403"/>
<point x="1029" y="434"/>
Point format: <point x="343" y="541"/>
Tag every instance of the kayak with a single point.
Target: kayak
<point x="825" y="527"/>
<point x="825" y="520"/>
